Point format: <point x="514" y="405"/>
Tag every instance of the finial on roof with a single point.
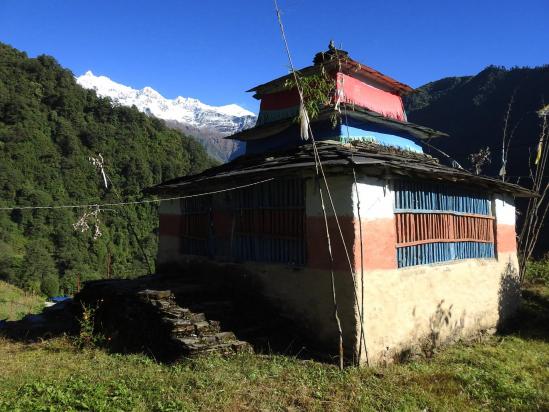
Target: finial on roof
<point x="330" y="54"/>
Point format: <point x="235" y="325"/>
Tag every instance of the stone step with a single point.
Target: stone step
<point x="195" y="346"/>
<point x="184" y="327"/>
<point x="205" y="327"/>
<point x="197" y="317"/>
<point x="176" y="312"/>
<point x="189" y="312"/>
<point x="218" y="337"/>
<point x="210" y="339"/>
<point x="225" y="336"/>
<point x="181" y="326"/>
<point x="225" y="348"/>
<point x="160" y="304"/>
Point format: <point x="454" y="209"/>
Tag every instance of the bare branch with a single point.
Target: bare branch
<point x="538" y="207"/>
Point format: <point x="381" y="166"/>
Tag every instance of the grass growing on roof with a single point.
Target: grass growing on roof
<point x="508" y="372"/>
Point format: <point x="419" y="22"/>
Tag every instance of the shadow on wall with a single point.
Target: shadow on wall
<point x="442" y="329"/>
<point x="445" y="327"/>
<point x="508" y="296"/>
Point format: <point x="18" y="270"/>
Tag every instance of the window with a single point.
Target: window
<point x="270" y="222"/>
<point x="263" y="223"/>
<point x="437" y="223"/>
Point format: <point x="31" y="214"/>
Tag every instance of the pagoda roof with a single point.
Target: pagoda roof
<point x="355" y="112"/>
<point x="370" y="158"/>
<point x="332" y="61"/>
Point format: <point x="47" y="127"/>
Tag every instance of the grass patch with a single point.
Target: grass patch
<point x="508" y="372"/>
<point x="15" y="303"/>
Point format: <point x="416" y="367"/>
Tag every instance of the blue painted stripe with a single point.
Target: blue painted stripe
<point x="436" y="252"/>
<point x="423" y="197"/>
<point x="435" y="211"/>
<point x="349" y="133"/>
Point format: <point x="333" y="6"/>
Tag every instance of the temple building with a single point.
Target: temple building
<point x="422" y="253"/>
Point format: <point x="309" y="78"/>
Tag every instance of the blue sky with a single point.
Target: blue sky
<point x="215" y="50"/>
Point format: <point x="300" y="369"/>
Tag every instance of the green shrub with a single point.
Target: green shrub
<point x="87" y="336"/>
<point x="537" y="271"/>
<point x="50" y="285"/>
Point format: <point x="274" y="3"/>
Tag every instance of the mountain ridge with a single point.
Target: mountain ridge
<point x="472" y="109"/>
<point x="208" y="124"/>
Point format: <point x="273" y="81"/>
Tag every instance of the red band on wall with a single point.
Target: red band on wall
<point x="506" y="238"/>
<point x="361" y="94"/>
<point x="317" y="246"/>
<point x="169" y="225"/>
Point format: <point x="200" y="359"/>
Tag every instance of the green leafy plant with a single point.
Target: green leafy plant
<point x="537" y="271"/>
<point x="318" y="91"/>
<point x="87" y="336"/>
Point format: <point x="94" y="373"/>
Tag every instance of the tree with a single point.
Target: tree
<point x="50" y="285"/>
<point x="37" y="265"/>
<point x="49" y="126"/>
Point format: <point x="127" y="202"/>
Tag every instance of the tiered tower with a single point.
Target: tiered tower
<point x="351" y="101"/>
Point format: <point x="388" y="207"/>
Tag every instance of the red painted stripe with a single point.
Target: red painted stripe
<point x="169" y="225"/>
<point x="418" y="228"/>
<point x="361" y="94"/>
<point x="506" y="238"/>
<point x="378" y="243"/>
<point x="280" y="100"/>
<point x="317" y="246"/>
<point x="222" y="223"/>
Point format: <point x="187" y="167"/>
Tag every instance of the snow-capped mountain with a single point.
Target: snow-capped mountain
<point x="207" y="122"/>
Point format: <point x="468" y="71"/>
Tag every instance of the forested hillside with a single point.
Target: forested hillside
<point x="472" y="110"/>
<point x="49" y="126"/>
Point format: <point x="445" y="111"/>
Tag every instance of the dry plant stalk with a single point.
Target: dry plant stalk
<point x="480" y="159"/>
<point x="538" y="207"/>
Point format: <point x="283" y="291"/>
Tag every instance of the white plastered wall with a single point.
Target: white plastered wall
<point x="419" y="308"/>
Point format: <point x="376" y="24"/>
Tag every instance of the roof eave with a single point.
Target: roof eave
<point x="258" y="167"/>
<point x="269" y="129"/>
<point x="278" y="84"/>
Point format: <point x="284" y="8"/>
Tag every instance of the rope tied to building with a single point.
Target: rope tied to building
<point x="135" y="202"/>
<point x="320" y="173"/>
